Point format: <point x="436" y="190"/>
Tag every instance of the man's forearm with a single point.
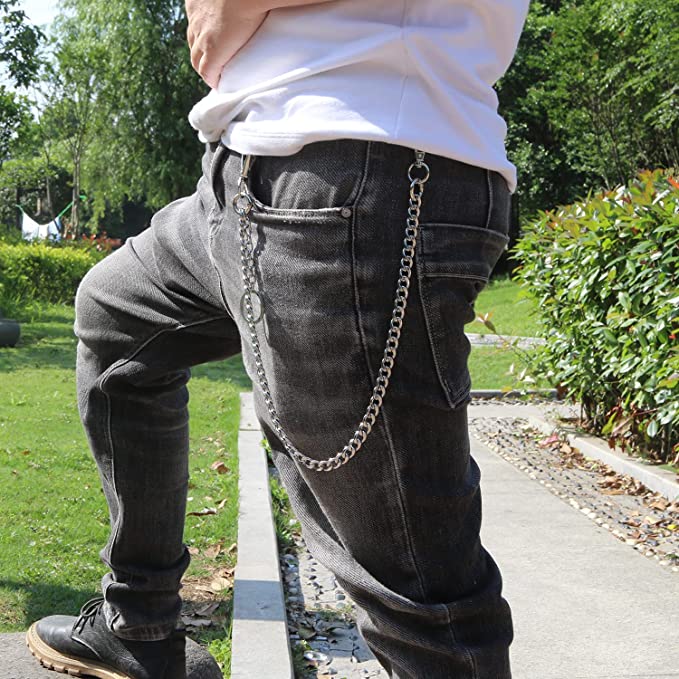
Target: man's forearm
<point x="218" y="29"/>
<point x="266" y="5"/>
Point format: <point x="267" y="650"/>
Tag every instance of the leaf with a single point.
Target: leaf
<point x="306" y="632"/>
<point x="207" y="609"/>
<point x="203" y="512"/>
<point x="196" y="622"/>
<point x="214" y="551"/>
<point x="652" y="428"/>
<point x="219" y="467"/>
<point x="220" y="583"/>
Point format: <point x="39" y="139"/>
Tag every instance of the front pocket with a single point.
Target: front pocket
<point x="323" y="178"/>
<point x="454" y="263"/>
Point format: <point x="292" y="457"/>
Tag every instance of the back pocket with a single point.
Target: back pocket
<point x="454" y="263"/>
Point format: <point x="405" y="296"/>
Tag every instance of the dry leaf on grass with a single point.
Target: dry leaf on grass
<point x="214" y="551"/>
<point x="219" y="467"/>
<point x="208" y="511"/>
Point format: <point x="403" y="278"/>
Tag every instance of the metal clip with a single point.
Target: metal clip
<point x="245" y="164"/>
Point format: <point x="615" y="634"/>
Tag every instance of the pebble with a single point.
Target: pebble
<point x="321" y="620"/>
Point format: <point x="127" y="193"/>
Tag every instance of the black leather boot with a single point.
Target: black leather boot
<point x="84" y="646"/>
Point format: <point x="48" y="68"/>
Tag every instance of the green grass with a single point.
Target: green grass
<point x="511" y="310"/>
<point x="489" y="368"/>
<point x="54" y="518"/>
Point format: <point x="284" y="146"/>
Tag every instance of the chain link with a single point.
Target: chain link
<point x="243" y="205"/>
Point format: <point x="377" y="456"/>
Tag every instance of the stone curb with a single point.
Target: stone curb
<point x="480" y="340"/>
<point x="259" y="646"/>
<point x="657" y="480"/>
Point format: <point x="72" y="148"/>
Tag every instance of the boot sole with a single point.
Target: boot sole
<point x="53" y="660"/>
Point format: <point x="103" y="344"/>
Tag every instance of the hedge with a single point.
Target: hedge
<point x="605" y="272"/>
<point x="38" y="272"/>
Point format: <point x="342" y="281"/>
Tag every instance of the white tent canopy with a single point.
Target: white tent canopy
<point x="30" y="229"/>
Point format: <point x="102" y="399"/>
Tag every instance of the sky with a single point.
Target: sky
<point x="40" y="12"/>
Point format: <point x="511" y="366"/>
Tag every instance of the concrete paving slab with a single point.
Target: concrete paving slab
<point x="584" y="605"/>
<point x="16" y="661"/>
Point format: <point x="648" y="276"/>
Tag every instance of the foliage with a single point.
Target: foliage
<point x="19" y="42"/>
<point x="592" y="96"/>
<point x="38" y="271"/>
<point x="605" y="272"/>
<point x="137" y="141"/>
<point x="24" y="181"/>
<point x="287" y="526"/>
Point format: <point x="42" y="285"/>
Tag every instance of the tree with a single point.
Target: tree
<point x="139" y="143"/>
<point x="69" y="112"/>
<point x="19" y="63"/>
<point x="592" y="97"/>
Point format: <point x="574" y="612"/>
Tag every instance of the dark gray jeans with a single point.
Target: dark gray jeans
<point x="399" y="524"/>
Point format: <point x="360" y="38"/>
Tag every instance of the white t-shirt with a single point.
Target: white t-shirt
<point x="419" y="73"/>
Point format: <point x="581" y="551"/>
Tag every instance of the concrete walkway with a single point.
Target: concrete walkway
<point x="479" y="340"/>
<point x="585" y="605"/>
<point x="16" y="661"/>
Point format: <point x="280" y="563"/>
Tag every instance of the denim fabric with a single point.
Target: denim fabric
<point x="399" y="524"/>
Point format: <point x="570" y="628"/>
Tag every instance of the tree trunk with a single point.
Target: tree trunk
<point x="75" y="208"/>
<point x="48" y="193"/>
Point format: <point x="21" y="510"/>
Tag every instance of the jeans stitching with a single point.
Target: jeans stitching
<point x="454" y="400"/>
<point x="490" y="198"/>
<point x="212" y="225"/>
<point x="216" y="166"/>
<point x="384" y="423"/>
<point x="456" y="275"/>
<point x="121" y="361"/>
<point x="467" y="652"/>
<point x="100" y="383"/>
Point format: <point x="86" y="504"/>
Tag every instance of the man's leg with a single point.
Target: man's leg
<point x="399" y="524"/>
<point x="144" y="316"/>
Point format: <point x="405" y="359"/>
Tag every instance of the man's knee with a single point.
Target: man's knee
<point x="95" y="297"/>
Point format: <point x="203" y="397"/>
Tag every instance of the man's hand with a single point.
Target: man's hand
<point x="217" y="30"/>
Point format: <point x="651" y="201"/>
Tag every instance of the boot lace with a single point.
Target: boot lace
<point x="89" y="613"/>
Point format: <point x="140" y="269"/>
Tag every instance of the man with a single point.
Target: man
<point x="354" y="201"/>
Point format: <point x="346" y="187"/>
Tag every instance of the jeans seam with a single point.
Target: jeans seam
<point x="212" y="226"/>
<point x="467" y="652"/>
<point x="491" y="198"/>
<point x="217" y="165"/>
<point x="384" y="424"/>
<point x="109" y="438"/>
<point x="456" y="401"/>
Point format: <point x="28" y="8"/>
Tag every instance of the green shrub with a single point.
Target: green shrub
<point x="38" y="272"/>
<point x="605" y="273"/>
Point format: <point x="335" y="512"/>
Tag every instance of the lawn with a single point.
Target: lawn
<point x="54" y="518"/>
<point x="511" y="310"/>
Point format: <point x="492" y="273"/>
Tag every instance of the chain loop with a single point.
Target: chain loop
<point x="242" y="205"/>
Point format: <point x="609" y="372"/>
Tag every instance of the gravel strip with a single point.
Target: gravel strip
<point x="644" y="520"/>
<point x="323" y="635"/>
